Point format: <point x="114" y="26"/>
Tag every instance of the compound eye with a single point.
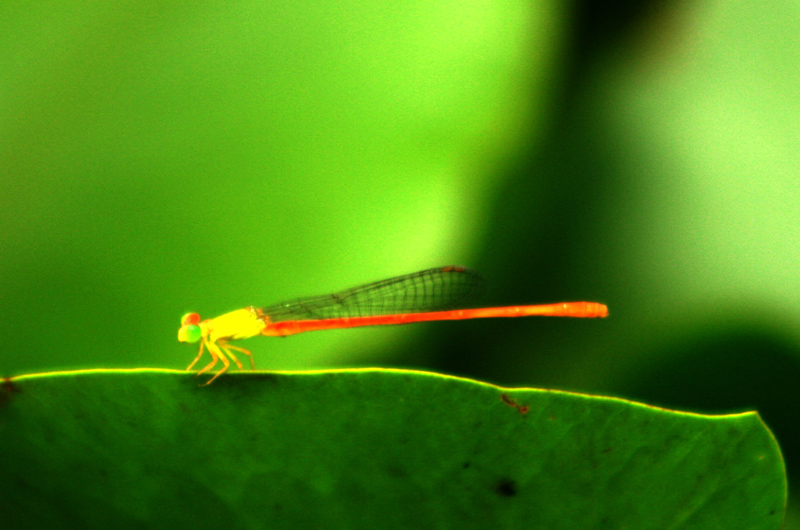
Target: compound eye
<point x="190" y="319"/>
<point x="189" y="333"/>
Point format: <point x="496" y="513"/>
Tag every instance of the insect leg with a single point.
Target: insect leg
<point x="214" y="348"/>
<point x="225" y="348"/>
<point x="214" y="352"/>
<point x="237" y="348"/>
<point x="200" y="354"/>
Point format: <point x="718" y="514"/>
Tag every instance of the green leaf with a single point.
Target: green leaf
<point x="369" y="449"/>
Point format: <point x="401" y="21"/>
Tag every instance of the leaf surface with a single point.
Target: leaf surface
<point x="370" y="449"/>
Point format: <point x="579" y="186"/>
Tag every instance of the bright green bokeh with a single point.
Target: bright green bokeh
<point x="159" y="159"/>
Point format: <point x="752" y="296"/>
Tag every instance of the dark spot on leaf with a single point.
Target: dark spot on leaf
<point x="465" y="465"/>
<point x="396" y="471"/>
<point x="507" y="487"/>
<point x="523" y="409"/>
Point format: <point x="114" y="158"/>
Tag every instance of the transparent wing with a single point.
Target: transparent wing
<point x="437" y="289"/>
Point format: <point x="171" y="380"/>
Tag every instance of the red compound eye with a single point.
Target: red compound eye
<point x="190" y="319"/>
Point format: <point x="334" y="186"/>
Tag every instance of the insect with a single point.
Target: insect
<point x="432" y="294"/>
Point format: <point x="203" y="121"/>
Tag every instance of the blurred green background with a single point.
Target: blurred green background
<point x="157" y="158"/>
